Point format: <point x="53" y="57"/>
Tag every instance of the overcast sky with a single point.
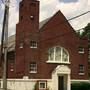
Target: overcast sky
<point x="70" y="8"/>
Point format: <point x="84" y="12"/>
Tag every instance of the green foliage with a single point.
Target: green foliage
<point x="35" y="86"/>
<point x="86" y="31"/>
<point x="80" y="86"/>
<point x="87" y="28"/>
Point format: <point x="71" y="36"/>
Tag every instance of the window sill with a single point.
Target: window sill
<point x="33" y="47"/>
<point x="81" y="52"/>
<point x="81" y="73"/>
<point x="32" y="72"/>
<point x="42" y="88"/>
<point x="58" y="62"/>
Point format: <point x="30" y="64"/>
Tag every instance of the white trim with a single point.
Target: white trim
<point x="48" y="80"/>
<point x="61" y="70"/>
<point x="32" y="71"/>
<point x="81" y="74"/>
<point x="79" y="80"/>
<point x="29" y="80"/>
<point x="81" y="52"/>
<point x="33" y="47"/>
<point x="49" y="61"/>
<point x="54" y="55"/>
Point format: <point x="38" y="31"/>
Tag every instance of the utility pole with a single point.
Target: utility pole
<point x="5" y="43"/>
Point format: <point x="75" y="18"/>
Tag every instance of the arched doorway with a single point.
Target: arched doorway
<point x="61" y="78"/>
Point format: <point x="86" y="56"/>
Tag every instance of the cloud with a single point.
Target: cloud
<point x="47" y="8"/>
<point x="89" y="2"/>
<point x="13" y="19"/>
<point x="80" y="22"/>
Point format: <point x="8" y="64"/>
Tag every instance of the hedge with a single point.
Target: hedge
<point x="80" y="86"/>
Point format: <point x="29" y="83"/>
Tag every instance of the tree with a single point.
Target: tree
<point x="86" y="32"/>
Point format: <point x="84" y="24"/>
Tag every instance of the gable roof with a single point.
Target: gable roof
<point x="42" y="23"/>
<point x="62" y="20"/>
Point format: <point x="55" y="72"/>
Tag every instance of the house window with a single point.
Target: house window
<point x="21" y="17"/>
<point x="33" y="44"/>
<point x="33" y="4"/>
<point x="42" y="85"/>
<point x="89" y="75"/>
<point x="21" y="5"/>
<point x="89" y="54"/>
<point x="33" y="67"/>
<point x="21" y="45"/>
<point x="21" y="40"/>
<point x="11" y="57"/>
<point x="11" y="67"/>
<point x="81" y="50"/>
<point x="81" y="69"/>
<point x="32" y="17"/>
<point x="58" y="55"/>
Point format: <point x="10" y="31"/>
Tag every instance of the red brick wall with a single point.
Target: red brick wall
<point x="26" y="31"/>
<point x="56" y="32"/>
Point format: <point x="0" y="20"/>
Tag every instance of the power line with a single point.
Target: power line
<point x="67" y="20"/>
<point x="78" y="16"/>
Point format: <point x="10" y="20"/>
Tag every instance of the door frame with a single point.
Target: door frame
<point x="61" y="70"/>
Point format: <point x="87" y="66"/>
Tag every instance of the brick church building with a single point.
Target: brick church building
<point x="45" y="56"/>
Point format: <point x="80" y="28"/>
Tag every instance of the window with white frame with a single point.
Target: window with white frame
<point x="21" y="45"/>
<point x="42" y="85"/>
<point x="11" y="67"/>
<point x="89" y="54"/>
<point x="58" y="55"/>
<point x="33" y="67"/>
<point x="33" y="44"/>
<point x="81" y="50"/>
<point x="81" y="69"/>
<point x="21" y="39"/>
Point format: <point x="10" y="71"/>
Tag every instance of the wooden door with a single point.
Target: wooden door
<point x="60" y="82"/>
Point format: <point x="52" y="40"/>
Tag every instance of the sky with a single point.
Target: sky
<point x="70" y="8"/>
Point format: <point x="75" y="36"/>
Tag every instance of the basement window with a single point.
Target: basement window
<point x="42" y="85"/>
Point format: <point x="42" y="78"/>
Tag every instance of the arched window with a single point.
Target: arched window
<point x="58" y="55"/>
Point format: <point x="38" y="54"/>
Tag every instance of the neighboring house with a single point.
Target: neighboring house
<point x="48" y="55"/>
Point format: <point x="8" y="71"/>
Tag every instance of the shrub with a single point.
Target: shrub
<point x="80" y="86"/>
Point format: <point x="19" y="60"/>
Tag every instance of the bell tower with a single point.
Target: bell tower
<point x="27" y="36"/>
<point x="29" y="12"/>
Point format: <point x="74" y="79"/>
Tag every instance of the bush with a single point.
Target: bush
<point x="80" y="86"/>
